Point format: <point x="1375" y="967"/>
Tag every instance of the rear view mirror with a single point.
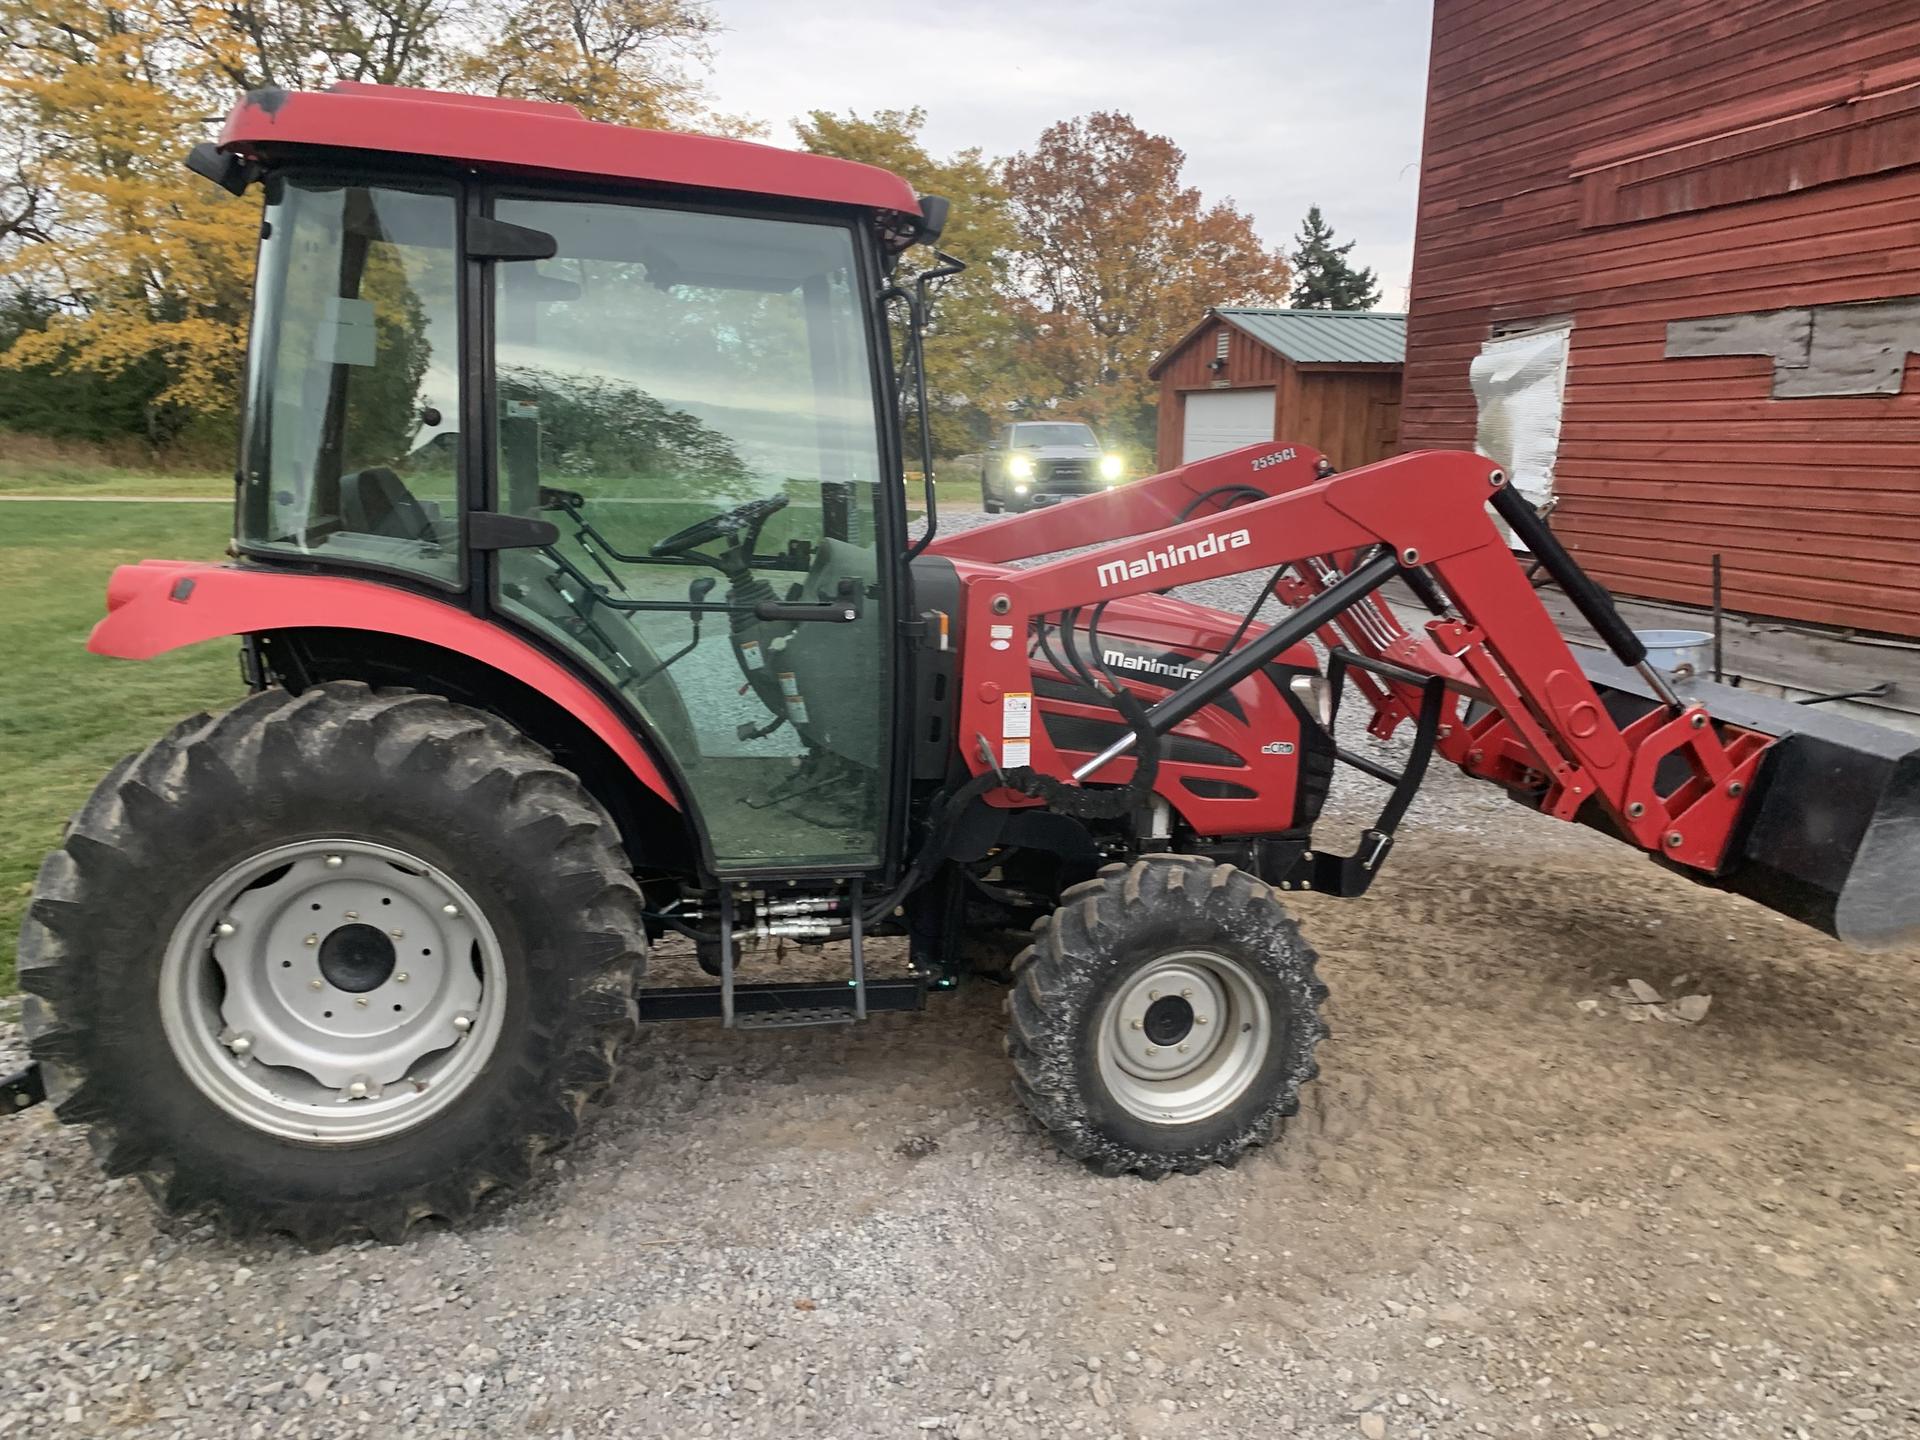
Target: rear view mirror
<point x="229" y="172"/>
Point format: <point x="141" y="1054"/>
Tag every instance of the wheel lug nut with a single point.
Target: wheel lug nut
<point x="1187" y="994"/>
<point x="1183" y="1049"/>
<point x="463" y="1023"/>
<point x="449" y="909"/>
<point x="225" y="927"/>
<point x="241" y="1044"/>
<point x="1153" y="1049"/>
<point x="1199" y="1019"/>
<point x="1153" y="994"/>
<point x="1134" y="1023"/>
<point x="398" y="934"/>
<point x="400" y="977"/>
<point x="315" y="984"/>
<point x="353" y="914"/>
<point x="358" y="1087"/>
<point x="334" y="862"/>
<point x="312" y="940"/>
<point x="361" y="1002"/>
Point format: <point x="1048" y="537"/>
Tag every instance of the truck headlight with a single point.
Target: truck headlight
<point x="1110" y="467"/>
<point x="1019" y="489"/>
<point x="1020" y="467"/>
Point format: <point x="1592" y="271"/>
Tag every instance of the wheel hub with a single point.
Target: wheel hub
<point x="356" y="958"/>
<point x="1169" y="1020"/>
<point x="329" y="989"/>
<point x="1183" y="1037"/>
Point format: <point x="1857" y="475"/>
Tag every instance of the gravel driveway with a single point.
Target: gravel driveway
<point x="1521" y="1201"/>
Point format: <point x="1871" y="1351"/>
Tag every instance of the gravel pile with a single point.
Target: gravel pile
<point x="1506" y="1210"/>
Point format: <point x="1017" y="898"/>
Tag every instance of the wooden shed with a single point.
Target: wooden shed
<point x="1668" y="265"/>
<point x="1325" y="378"/>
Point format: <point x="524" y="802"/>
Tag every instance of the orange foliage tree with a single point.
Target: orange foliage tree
<point x="1117" y="259"/>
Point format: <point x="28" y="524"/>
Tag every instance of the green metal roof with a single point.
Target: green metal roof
<point x="1325" y="337"/>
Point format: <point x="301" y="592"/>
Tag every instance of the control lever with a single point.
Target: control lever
<point x="697" y="592"/>
<point x="839" y="611"/>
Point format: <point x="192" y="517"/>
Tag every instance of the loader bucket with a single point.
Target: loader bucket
<point x="1831" y="833"/>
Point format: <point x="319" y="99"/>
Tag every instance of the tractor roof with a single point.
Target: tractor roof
<point x="536" y="137"/>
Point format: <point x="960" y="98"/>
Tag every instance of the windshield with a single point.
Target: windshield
<point x="1031" y="436"/>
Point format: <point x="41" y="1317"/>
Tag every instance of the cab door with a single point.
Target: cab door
<point x="692" y="398"/>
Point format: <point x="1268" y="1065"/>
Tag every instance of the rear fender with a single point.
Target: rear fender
<point x="161" y="605"/>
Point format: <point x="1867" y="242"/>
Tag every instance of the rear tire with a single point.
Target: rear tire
<point x="1165" y="1017"/>
<point x="165" y="915"/>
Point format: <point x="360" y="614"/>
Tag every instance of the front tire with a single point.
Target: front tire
<point x="1165" y="1017"/>
<point x="331" y="964"/>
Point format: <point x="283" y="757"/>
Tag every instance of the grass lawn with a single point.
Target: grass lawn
<point x="105" y="480"/>
<point x="65" y="715"/>
<point x="34" y="465"/>
<point x="955" y="488"/>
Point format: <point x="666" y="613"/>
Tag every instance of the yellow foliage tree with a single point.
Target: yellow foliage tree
<point x="974" y="357"/>
<point x="625" y="61"/>
<point x="146" y="262"/>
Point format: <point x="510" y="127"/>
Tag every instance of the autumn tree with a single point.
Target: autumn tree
<point x="626" y="61"/>
<point x="974" y="356"/>
<point x="1322" y="277"/>
<point x="1117" y="258"/>
<point x="144" y="267"/>
<point x="143" y="262"/>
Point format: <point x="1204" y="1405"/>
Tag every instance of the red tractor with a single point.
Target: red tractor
<point x="574" y="589"/>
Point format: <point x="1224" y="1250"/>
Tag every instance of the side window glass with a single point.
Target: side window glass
<point x="353" y="379"/>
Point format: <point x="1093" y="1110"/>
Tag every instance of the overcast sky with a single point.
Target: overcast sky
<point x="1280" y="104"/>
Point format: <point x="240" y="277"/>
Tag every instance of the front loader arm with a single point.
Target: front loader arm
<point x="1545" y="732"/>
<point x="1201" y="487"/>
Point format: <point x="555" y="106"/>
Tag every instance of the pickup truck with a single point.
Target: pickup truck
<point x="1036" y="462"/>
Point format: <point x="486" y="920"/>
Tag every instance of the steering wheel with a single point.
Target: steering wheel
<point x="748" y="517"/>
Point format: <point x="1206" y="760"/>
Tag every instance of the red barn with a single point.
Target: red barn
<point x="1668" y="265"/>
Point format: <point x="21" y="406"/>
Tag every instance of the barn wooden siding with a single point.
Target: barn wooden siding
<point x="1350" y="412"/>
<point x="1630" y="165"/>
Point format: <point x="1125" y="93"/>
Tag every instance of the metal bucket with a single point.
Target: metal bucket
<point x="1677" y="652"/>
<point x="1831" y="834"/>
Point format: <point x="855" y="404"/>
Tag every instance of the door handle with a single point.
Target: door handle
<point x="841" y="610"/>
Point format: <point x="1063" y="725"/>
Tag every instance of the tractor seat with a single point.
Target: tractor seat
<point x="377" y="502"/>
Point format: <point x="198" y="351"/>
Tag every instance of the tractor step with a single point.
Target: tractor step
<point x="774" y="1005"/>
<point x="793" y="1019"/>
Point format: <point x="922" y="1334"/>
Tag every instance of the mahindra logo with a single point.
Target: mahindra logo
<point x="1148" y="665"/>
<point x="1116" y="572"/>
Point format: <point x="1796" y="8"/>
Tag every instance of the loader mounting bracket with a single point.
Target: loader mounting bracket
<point x="1351" y="875"/>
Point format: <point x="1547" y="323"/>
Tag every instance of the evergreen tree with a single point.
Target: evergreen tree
<point x="1322" y="278"/>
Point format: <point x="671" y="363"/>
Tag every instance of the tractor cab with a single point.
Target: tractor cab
<point x="647" y="426"/>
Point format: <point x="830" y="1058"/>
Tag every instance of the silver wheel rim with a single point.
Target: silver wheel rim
<point x="1184" y="1037"/>
<point x="332" y="991"/>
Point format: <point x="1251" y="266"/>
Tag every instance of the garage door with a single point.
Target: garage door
<point x="1220" y="420"/>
